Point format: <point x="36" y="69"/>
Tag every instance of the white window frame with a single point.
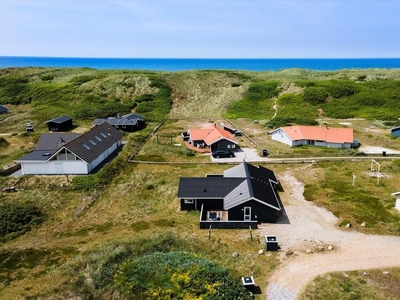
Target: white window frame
<point x="188" y="201"/>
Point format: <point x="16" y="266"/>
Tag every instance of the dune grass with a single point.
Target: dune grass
<point x="89" y="233"/>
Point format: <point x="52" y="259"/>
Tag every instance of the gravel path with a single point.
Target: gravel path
<point x="306" y="226"/>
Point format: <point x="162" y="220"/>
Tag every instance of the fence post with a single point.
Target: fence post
<point x="251" y="233"/>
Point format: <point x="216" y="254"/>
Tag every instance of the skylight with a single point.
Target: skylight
<point x="93" y="143"/>
<point x="103" y="135"/>
<point x="97" y="138"/>
<point x="86" y="146"/>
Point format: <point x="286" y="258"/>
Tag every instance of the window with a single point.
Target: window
<point x="123" y="126"/>
<point x="189" y="201"/>
<point x="97" y="138"/>
<point x="228" y="146"/>
<point x="86" y="146"/>
<point x="103" y="135"/>
<point x="92" y="142"/>
<point x="233" y="146"/>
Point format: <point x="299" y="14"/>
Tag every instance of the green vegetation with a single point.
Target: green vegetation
<point x="354" y="285"/>
<point x="164" y="267"/>
<point x="293" y="110"/>
<point x="3" y="142"/>
<point x="156" y="107"/>
<point x="176" y="275"/>
<point x="88" y="94"/>
<point x="16" y="220"/>
<point x="359" y="203"/>
<point x="257" y="102"/>
<point x="100" y="231"/>
<point x="377" y="99"/>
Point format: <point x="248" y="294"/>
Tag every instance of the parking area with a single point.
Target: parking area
<point x="244" y="154"/>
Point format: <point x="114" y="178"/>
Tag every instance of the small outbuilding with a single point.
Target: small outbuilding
<point x="63" y="123"/>
<point x="3" y="109"/>
<point x="397" y="195"/>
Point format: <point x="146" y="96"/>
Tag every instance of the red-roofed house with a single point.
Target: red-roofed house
<point x="211" y="137"/>
<point x="314" y="135"/>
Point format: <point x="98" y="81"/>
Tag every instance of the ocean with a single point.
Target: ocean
<point x="185" y="64"/>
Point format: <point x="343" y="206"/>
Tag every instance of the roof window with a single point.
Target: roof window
<point x="86" y="146"/>
<point x="103" y="135"/>
<point x="92" y="142"/>
<point x="97" y="138"/>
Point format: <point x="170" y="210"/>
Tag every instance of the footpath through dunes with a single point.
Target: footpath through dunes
<point x="306" y="226"/>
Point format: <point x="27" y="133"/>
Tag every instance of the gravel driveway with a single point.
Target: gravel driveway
<point x="306" y="226"/>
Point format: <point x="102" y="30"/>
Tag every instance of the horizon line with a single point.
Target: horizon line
<point x="183" y="58"/>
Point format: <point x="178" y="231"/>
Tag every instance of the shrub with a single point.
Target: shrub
<point x="315" y="95"/>
<point x="3" y="142"/>
<point x="256" y="103"/>
<point x="177" y="275"/>
<point x="16" y="219"/>
<point x="13" y="88"/>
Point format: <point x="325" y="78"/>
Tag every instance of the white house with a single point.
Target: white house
<point x="314" y="135"/>
<point x="71" y="153"/>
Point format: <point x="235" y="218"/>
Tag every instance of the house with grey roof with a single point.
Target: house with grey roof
<point x="3" y="109"/>
<point x="71" y="153"/>
<point x="62" y="123"/>
<point x="242" y="196"/>
<point x="128" y="123"/>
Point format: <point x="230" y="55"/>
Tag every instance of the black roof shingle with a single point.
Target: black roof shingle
<point x="59" y="120"/>
<point x="90" y="145"/>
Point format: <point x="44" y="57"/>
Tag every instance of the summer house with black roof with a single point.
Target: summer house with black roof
<point x="63" y="123"/>
<point x="242" y="196"/>
<point x="71" y="153"/>
<point x="128" y="123"/>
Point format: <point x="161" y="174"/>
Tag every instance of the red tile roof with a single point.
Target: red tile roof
<point x="325" y="133"/>
<point x="211" y="134"/>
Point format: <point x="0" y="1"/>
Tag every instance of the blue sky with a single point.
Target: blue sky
<point x="200" y="29"/>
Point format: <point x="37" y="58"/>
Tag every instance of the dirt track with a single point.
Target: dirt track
<point x="306" y="226"/>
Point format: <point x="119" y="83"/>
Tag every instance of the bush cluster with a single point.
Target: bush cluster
<point x="256" y="103"/>
<point x="155" y="107"/>
<point x="16" y="219"/>
<point x="177" y="275"/>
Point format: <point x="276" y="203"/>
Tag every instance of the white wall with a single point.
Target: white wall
<point x="102" y="156"/>
<point x="280" y="136"/>
<point x="54" y="167"/>
<point x="338" y="145"/>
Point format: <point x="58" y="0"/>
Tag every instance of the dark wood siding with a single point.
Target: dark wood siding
<point x="264" y="213"/>
<point x="53" y="126"/>
<point x="209" y="204"/>
<point x="223" y="144"/>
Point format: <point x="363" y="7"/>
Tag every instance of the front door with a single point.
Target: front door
<point x="247" y="213"/>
